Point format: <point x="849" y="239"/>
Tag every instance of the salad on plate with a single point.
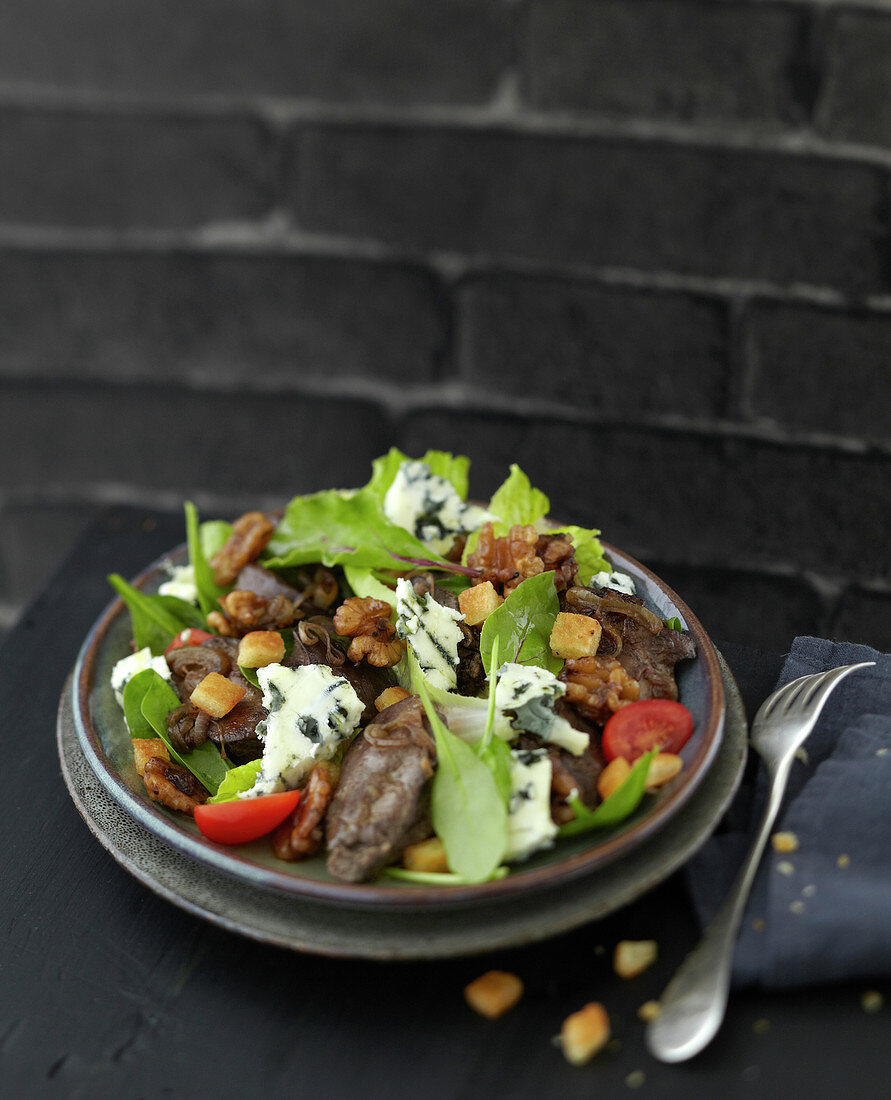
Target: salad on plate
<point x="400" y="681"/>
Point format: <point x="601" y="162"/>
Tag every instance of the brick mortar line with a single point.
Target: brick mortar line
<point x="503" y="114"/>
<point x="277" y="237"/>
<point x="105" y="494"/>
<point x="400" y="403"/>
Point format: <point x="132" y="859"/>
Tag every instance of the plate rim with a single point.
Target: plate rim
<point x="372" y="895"/>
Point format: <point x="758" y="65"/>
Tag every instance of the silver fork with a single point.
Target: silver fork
<point x="694" y="1002"/>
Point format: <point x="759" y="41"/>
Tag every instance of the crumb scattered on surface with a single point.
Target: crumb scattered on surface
<point x="872" y="1001"/>
<point x="760" y="1027"/>
<point x="585" y="1033"/>
<point x="798" y="907"/>
<point x="883" y="751"/>
<point x="633" y="957"/>
<point x="785" y="867"/>
<point x="801" y="754"/>
<point x="759" y="924"/>
<point x="493" y="993"/>
<point x="649" y="1010"/>
<point x="635" y="1078"/>
<point x="843" y="860"/>
<point x="808" y="891"/>
<point x="784" y="842"/>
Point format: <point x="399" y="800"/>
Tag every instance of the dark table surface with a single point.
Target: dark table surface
<point x="108" y="991"/>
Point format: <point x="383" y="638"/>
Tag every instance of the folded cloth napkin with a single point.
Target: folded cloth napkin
<point x="822" y="912"/>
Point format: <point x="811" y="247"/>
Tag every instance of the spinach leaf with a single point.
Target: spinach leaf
<point x="344" y="528"/>
<point x="469" y="814"/>
<point x="158" y="699"/>
<point x="187" y="613"/>
<point x="214" y="533"/>
<point x="236" y="781"/>
<point x="208" y="591"/>
<point x="493" y="751"/>
<point x="523" y="625"/>
<point x="622" y="802"/>
<point x="250" y="674"/>
<point x="133" y="693"/>
<point x="156" y="619"/>
<point x="453" y="468"/>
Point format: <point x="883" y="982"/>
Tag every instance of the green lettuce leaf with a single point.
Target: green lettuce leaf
<point x="156" y="620"/>
<point x="364" y="583"/>
<point x="514" y="502"/>
<point x="588" y="551"/>
<point x="469" y="814"/>
<point x="343" y="528"/>
<point x="674" y="623"/>
<point x="236" y="781"/>
<point x="453" y="468"/>
<point x="214" y="533"/>
<point x="523" y="625"/>
<point x="619" y="805"/>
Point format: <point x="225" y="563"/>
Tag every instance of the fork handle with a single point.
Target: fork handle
<point x="695" y="1000"/>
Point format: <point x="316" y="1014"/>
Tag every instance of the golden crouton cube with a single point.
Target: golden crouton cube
<point x="389" y="696"/>
<point x="584" y="1033"/>
<point x="784" y="842"/>
<point x="663" y="767"/>
<point x="426" y="855"/>
<point x="633" y="957"/>
<point x="261" y="648"/>
<point x="613" y="776"/>
<point x="144" y="748"/>
<point x="216" y="695"/>
<point x="478" y="603"/>
<point x="575" y="635"/>
<point x="493" y="993"/>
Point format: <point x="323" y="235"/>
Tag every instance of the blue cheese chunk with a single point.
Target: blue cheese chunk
<point x="432" y="634"/>
<point x="618" y="582"/>
<point x="429" y="507"/>
<point x="529" y="823"/>
<point x="524" y="697"/>
<point x="312" y="712"/>
<point x="127" y="667"/>
<point x="180" y="583"/>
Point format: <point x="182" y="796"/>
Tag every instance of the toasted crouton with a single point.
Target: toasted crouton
<point x="493" y="993"/>
<point x="478" y="603"/>
<point x="426" y="855"/>
<point x="389" y="696"/>
<point x="584" y="1033"/>
<point x="575" y="635"/>
<point x="261" y="648"/>
<point x="216" y="695"/>
<point x="633" y="957"/>
<point x="144" y="748"/>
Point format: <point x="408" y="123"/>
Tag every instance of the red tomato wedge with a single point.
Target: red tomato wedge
<point x="244" y="819"/>
<point x="190" y="636"/>
<point x="649" y="724"/>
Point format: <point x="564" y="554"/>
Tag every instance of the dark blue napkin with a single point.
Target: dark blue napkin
<point x="821" y="913"/>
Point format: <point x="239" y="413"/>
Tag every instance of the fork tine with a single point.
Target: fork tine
<point x="817" y="695"/>
<point x="772" y="702"/>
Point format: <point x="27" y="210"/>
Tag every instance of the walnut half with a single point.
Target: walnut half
<point x="367" y="622"/>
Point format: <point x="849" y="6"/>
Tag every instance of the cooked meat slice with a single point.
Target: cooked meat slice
<point x="262" y="581"/>
<point x="650" y="658"/>
<point x="381" y="804"/>
<point x="236" y="732"/>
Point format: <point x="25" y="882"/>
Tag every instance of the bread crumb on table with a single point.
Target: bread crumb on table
<point x="493" y="993"/>
<point x="785" y="867"/>
<point x="648" y="1011"/>
<point x="635" y="1079"/>
<point x="585" y="1033"/>
<point x="784" y="842"/>
<point x="843" y="861"/>
<point x="633" y="957"/>
<point x="872" y="1001"/>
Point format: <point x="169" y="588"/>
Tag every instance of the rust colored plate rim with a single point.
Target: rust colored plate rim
<point x="404" y="895"/>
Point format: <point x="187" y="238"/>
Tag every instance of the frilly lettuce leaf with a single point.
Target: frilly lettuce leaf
<point x="364" y="583"/>
<point x="523" y="625"/>
<point x="237" y="781"/>
<point x="453" y="468"/>
<point x="514" y="502"/>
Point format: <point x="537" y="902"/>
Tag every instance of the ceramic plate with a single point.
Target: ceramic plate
<point x="105" y="743"/>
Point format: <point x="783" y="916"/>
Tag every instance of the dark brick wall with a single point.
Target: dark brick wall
<point x="641" y="246"/>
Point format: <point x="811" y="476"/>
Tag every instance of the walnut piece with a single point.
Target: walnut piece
<point x="172" y="785"/>
<point x="598" y="686"/>
<point x="245" y="612"/>
<point x="250" y="534"/>
<point x="367" y="622"/>
<point x="300" y="834"/>
<point x="509" y="560"/>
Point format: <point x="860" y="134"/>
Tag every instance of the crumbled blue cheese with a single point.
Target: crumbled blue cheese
<point x="180" y="583"/>
<point x="127" y="667"/>
<point x="524" y="697"/>
<point x="529" y="823"/>
<point x="618" y="582"/>
<point x="312" y="712"/>
<point x="432" y="634"/>
<point x="429" y="507"/>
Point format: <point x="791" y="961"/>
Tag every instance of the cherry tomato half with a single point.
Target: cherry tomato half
<point x="244" y="819"/>
<point x="189" y="636"/>
<point x="648" y="724"/>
